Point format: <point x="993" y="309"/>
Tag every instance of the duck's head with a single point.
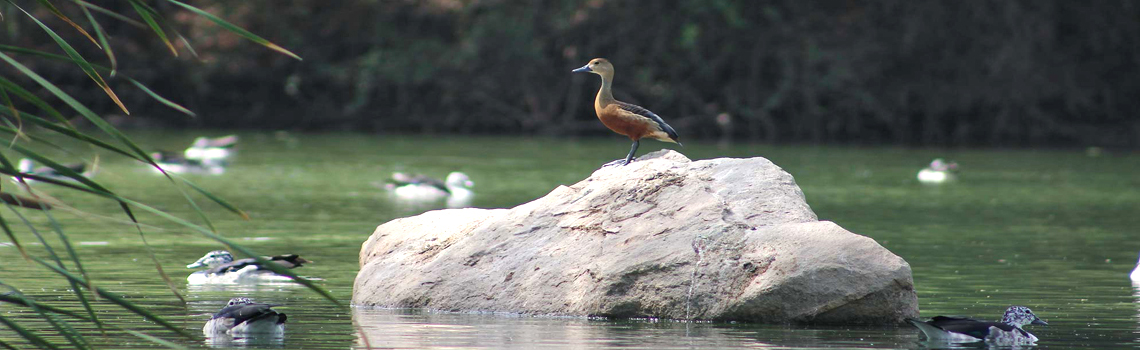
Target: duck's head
<point x="213" y="258"/>
<point x="599" y="66"/>
<point x="239" y="301"/>
<point x="458" y="179"/>
<point x="1020" y="316"/>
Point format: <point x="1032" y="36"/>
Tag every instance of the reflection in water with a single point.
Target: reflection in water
<point x="250" y="340"/>
<point x="392" y="328"/>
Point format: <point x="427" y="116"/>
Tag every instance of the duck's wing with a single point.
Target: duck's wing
<point x="289" y="260"/>
<point x="641" y="111"/>
<point x="401" y="179"/>
<point x="969" y="326"/>
<point x="242" y="313"/>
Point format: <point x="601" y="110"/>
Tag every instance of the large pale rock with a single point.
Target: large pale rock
<point x="721" y="239"/>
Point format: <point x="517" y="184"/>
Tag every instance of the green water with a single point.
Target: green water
<point x="1053" y="230"/>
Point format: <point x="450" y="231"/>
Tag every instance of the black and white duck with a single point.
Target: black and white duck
<point x="242" y="316"/>
<point x="419" y="188"/>
<point x="223" y="269"/>
<point x="956" y="329"/>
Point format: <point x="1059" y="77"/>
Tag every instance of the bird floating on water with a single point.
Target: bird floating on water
<point x="212" y="151"/>
<point x="26" y="166"/>
<point x="627" y="119"/>
<point x="939" y="171"/>
<point x="175" y="163"/>
<point x="419" y="188"/>
<point x="223" y="269"/>
<point x="1007" y="332"/>
<point x="243" y="316"/>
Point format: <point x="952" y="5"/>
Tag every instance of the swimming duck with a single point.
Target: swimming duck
<point x="244" y="316"/>
<point x="178" y="164"/>
<point x="938" y="172"/>
<point x="224" y="269"/>
<point x="26" y="166"/>
<point x="1006" y="332"/>
<point x="625" y="118"/>
<point x="213" y="151"/>
<point x="456" y="189"/>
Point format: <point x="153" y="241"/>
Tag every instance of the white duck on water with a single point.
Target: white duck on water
<point x="223" y="269"/>
<point x="1007" y="332"/>
<point x="211" y="151"/>
<point x="26" y="166"/>
<point x="419" y="188"/>
<point x="1136" y="273"/>
<point x="243" y="316"/>
<point x="939" y="171"/>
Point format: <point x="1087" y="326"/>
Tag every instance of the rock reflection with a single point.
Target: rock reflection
<point x="402" y="328"/>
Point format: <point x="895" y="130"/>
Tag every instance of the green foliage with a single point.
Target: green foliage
<point x="924" y="73"/>
<point x="23" y="94"/>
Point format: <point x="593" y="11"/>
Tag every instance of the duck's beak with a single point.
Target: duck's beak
<point x="585" y="68"/>
<point x="1040" y="322"/>
<point x="196" y="264"/>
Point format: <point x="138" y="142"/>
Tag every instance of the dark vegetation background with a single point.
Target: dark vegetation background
<point x="929" y="73"/>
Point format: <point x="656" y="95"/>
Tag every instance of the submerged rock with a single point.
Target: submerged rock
<point x="720" y="239"/>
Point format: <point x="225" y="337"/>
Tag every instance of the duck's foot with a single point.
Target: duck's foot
<point x="618" y="162"/>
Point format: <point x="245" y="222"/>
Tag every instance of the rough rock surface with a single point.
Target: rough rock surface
<point x="720" y="239"/>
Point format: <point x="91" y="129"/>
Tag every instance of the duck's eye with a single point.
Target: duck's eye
<point x="593" y="63"/>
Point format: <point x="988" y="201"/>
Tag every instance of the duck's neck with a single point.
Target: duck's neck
<point x="605" y="96"/>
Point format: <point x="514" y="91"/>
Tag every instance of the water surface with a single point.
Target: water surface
<point x="1053" y="230"/>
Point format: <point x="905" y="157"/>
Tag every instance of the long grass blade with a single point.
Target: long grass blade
<point x="59" y="168"/>
<point x="111" y="14"/>
<point x="148" y="17"/>
<point x="83" y="64"/>
<point x="65" y="329"/>
<point x="12" y="237"/>
<point x="161" y="99"/>
<point x="47" y="4"/>
<point x="234" y="246"/>
<point x="136" y="83"/>
<point x="28" y="96"/>
<point x="79" y="107"/>
<point x="26" y="334"/>
<point x="237" y="30"/>
<point x="11" y="299"/>
<point x="51" y="252"/>
<point x="118" y="300"/>
<point x="102" y="40"/>
<point x="217" y="199"/>
<point x="22" y="201"/>
<point x="69" y="132"/>
<point x="153" y="257"/>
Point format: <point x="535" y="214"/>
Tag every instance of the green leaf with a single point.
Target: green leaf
<point x="83" y="64"/>
<point x="136" y="83"/>
<point x="237" y="30"/>
<point x="102" y="40"/>
<point x="118" y="300"/>
<point x="148" y="17"/>
<point x="26" y="334"/>
<point x="47" y="4"/>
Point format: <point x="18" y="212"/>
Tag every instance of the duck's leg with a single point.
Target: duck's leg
<point x="632" y="150"/>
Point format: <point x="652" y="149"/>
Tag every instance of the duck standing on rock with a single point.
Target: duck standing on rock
<point x="625" y="118"/>
<point x="1007" y="332"/>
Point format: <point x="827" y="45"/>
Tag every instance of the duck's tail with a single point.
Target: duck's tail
<point x="928" y="330"/>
